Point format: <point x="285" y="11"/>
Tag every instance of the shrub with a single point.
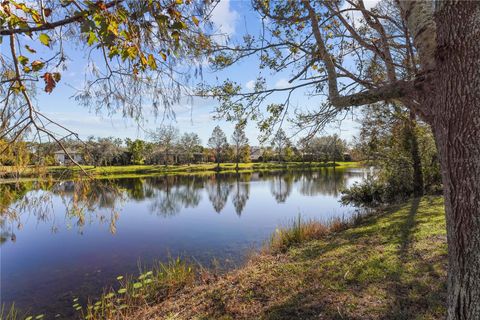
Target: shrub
<point x="367" y="193"/>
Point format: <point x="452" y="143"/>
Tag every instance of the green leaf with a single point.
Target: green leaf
<point x="179" y="25"/>
<point x="119" y="278"/>
<point x="137" y="285"/>
<point x="132" y="52"/>
<point x="151" y="62"/>
<point x="195" y="20"/>
<point x="122" y="290"/>
<point x="44" y="39"/>
<point x="176" y="35"/>
<point x="23" y="60"/>
<point x="113" y="27"/>
<point x="92" y="38"/>
<point x="110" y="295"/>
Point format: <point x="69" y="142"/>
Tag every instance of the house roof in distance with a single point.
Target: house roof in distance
<point x="69" y="151"/>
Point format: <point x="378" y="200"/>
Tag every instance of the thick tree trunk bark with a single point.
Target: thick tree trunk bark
<point x="457" y="132"/>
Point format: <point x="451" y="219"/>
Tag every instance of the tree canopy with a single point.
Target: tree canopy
<point x="134" y="52"/>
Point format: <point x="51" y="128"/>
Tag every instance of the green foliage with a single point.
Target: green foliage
<point x="44" y="39"/>
<point x="280" y="142"/>
<point x="245" y="154"/>
<point x="240" y="144"/>
<point x="368" y="193"/>
<point x="135" y="47"/>
<point x="137" y="149"/>
<point x="189" y="144"/>
<point x="429" y="157"/>
<point x="218" y="142"/>
<point x="388" y="139"/>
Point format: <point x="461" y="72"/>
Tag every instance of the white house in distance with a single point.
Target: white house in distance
<point x="62" y="158"/>
<point x="256" y="154"/>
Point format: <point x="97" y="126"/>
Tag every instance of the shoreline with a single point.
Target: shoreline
<point x="140" y="171"/>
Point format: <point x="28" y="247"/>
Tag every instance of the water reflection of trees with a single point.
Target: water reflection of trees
<point x="83" y="201"/>
<point x="88" y="201"/>
<point x="218" y="190"/>
<point x="327" y="181"/>
<point x="281" y="186"/>
<point x="172" y="193"/>
<point x="240" y="193"/>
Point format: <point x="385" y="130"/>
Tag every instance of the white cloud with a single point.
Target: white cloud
<point x="282" y="83"/>
<point x="224" y="18"/>
<point x="250" y="85"/>
<point x="355" y="15"/>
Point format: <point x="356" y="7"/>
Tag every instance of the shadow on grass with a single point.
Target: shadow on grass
<point x="417" y="287"/>
<point x="379" y="254"/>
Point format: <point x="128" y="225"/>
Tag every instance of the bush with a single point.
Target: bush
<point x="369" y="193"/>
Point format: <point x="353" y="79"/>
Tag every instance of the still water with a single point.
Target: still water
<point x="65" y="240"/>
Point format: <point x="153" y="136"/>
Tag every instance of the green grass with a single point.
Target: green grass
<point x="390" y="265"/>
<point x="150" y="170"/>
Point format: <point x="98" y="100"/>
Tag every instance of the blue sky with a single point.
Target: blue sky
<point x="234" y="18"/>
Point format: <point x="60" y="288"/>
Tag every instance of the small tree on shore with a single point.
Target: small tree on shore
<point x="166" y="138"/>
<point x="239" y="142"/>
<point x="280" y="141"/>
<point x="137" y="149"/>
<point x="218" y="142"/>
<point x="189" y="142"/>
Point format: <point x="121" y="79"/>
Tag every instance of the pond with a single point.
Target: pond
<point x="64" y="240"/>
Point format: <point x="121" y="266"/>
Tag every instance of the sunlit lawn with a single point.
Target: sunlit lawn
<point x="135" y="170"/>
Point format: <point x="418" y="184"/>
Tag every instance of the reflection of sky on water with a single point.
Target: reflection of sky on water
<point x="60" y="253"/>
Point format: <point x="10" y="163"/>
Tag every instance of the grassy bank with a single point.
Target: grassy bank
<point x="148" y="170"/>
<point x="390" y="266"/>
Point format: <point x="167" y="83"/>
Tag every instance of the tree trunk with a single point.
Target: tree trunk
<point x="457" y="132"/>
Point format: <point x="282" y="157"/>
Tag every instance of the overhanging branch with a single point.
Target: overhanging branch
<point x="395" y="90"/>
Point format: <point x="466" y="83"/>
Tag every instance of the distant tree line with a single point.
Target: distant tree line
<point x="167" y="146"/>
